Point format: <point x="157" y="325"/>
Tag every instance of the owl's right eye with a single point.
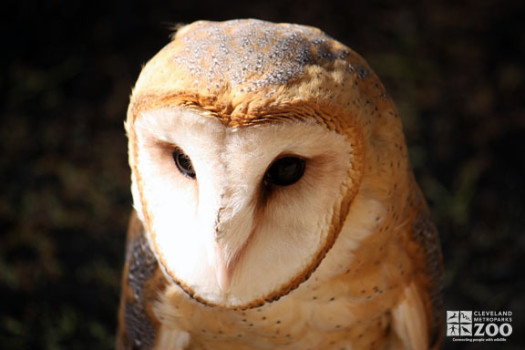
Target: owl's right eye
<point x="183" y="163"/>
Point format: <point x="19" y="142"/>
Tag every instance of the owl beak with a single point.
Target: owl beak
<point x="231" y="240"/>
<point x="224" y="269"/>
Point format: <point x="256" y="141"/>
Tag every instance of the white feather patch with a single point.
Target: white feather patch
<point x="221" y="207"/>
<point x="409" y="320"/>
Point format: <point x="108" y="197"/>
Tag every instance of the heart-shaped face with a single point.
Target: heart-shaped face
<point x="238" y="216"/>
<point x="247" y="145"/>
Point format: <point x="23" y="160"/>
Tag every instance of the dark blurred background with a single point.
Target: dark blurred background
<point x="455" y="68"/>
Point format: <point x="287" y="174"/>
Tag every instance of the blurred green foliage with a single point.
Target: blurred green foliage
<point x="455" y="69"/>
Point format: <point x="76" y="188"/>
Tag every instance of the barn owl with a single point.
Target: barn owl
<point x="274" y="203"/>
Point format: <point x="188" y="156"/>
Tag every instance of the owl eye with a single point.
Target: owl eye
<point x="285" y="171"/>
<point x="183" y="163"/>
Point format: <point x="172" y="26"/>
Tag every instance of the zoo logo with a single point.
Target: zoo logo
<point x="478" y="324"/>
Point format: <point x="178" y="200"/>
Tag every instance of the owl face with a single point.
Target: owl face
<point x="237" y="215"/>
<point x="248" y="143"/>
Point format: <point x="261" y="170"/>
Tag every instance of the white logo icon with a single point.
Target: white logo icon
<point x="459" y="323"/>
<point x="465" y="316"/>
<point x="465" y="330"/>
<point x="452" y="316"/>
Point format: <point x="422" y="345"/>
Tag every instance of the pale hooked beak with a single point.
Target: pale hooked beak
<point x="224" y="268"/>
<point x="232" y="234"/>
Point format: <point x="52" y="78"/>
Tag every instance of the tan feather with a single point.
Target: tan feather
<point x="342" y="257"/>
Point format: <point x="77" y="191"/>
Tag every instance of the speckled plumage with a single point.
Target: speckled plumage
<point x="373" y="281"/>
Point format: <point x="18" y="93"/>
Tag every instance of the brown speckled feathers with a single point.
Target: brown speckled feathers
<point x="237" y="97"/>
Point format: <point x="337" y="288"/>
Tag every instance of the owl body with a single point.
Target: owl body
<point x="274" y="203"/>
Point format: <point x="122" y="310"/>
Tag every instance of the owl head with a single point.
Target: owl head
<point x="249" y="143"/>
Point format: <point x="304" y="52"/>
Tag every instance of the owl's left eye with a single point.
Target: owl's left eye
<point x="285" y="171"/>
<point x="183" y="163"/>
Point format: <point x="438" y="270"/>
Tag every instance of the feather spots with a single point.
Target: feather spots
<point x="303" y="171"/>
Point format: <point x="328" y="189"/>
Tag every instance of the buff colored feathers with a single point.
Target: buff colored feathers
<point x="338" y="253"/>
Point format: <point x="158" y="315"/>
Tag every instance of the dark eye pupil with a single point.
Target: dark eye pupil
<point x="285" y="171"/>
<point x="183" y="163"/>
